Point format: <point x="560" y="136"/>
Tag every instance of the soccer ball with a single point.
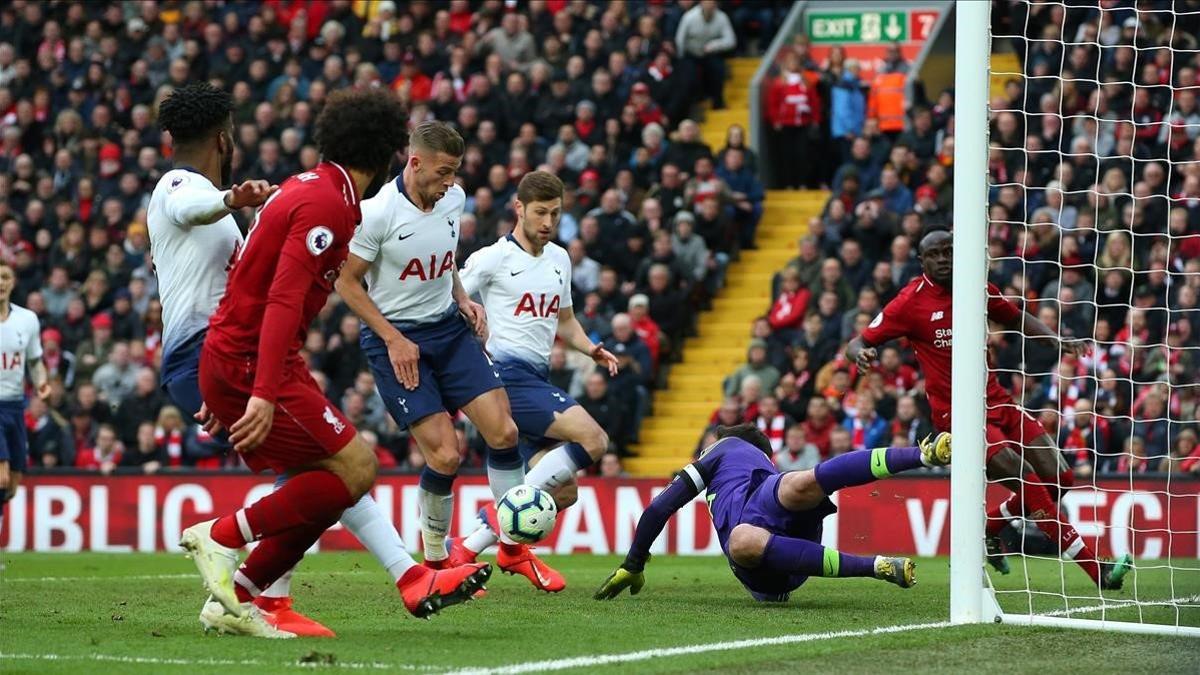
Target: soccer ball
<point x="526" y="514"/>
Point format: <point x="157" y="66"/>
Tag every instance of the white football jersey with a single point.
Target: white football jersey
<point x="20" y="346"/>
<point x="522" y="295"/>
<point x="193" y="239"/>
<point x="411" y="253"/>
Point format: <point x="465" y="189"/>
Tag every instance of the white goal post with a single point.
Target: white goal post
<point x="1161" y="595"/>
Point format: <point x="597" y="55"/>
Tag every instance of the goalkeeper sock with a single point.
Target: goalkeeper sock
<point x="790" y="555"/>
<point x="367" y="521"/>
<point x="865" y="466"/>
<point x="436" y="504"/>
<point x="1036" y="506"/>
<point x="558" y="467"/>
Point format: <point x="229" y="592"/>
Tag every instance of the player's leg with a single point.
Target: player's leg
<point x="1033" y="502"/>
<point x="756" y="548"/>
<point x="435" y="436"/>
<point x="490" y="413"/>
<point x="585" y="443"/>
<point x="803" y="490"/>
<point x="14" y="453"/>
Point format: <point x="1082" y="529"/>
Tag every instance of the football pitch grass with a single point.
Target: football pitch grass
<point x="138" y="613"/>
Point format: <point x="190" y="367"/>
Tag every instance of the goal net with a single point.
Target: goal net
<point x="1092" y="158"/>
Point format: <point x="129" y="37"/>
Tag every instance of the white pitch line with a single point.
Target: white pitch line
<point x="147" y="577"/>
<point x="646" y="654"/>
<point x="1123" y="604"/>
<point x="155" y="661"/>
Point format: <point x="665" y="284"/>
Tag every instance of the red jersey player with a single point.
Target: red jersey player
<point x="250" y="369"/>
<point x="1021" y="456"/>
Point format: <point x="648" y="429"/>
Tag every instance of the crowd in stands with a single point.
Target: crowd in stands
<point x="1094" y="227"/>
<point x="601" y="93"/>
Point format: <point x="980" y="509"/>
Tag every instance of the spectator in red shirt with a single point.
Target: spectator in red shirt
<point x="819" y="425"/>
<point x="788" y="311"/>
<point x="793" y="110"/>
<point x="105" y="455"/>
<point x="411" y="84"/>
<point x="899" y="378"/>
<point x="645" y="327"/>
<point x="647" y="110"/>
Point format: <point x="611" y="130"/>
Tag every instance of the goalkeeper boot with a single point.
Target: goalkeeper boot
<point x="899" y="571"/>
<point x="519" y="559"/>
<point x="935" y="450"/>
<point x="249" y="621"/>
<point x="428" y="592"/>
<point x="1112" y="572"/>
<point x="995" y="554"/>
<point x="215" y="562"/>
<point x="279" y="613"/>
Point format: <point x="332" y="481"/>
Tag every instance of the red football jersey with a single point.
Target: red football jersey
<point x="285" y="271"/>
<point x="921" y="313"/>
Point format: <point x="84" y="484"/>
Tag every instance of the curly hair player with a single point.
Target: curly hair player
<point x="1039" y="463"/>
<point x="769" y="523"/>
<point x="249" y="367"/>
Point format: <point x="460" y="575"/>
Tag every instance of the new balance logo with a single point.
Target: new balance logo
<point x="936" y="316"/>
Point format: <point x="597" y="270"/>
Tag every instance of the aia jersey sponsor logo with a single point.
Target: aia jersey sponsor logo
<point x="11" y="360"/>
<point x="541" y="307"/>
<point x="318" y="240"/>
<point x="418" y="269"/>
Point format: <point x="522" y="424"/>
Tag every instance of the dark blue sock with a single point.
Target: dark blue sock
<point x="800" y="556"/>
<point x="505" y="459"/>
<point x="865" y="466"/>
<point x="579" y="456"/>
<point x="3" y="500"/>
<point x="435" y="482"/>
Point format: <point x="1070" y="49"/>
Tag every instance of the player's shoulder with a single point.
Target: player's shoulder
<point x="557" y="254"/>
<point x="382" y="205"/>
<point x="455" y="197"/>
<point x="491" y="255"/>
<point x="23" y="314"/>
<point x="917" y="288"/>
<point x="175" y="179"/>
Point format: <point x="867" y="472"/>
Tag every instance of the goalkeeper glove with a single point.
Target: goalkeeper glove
<point x="618" y="581"/>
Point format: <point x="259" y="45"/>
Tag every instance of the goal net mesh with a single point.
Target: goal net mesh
<point x="1094" y="228"/>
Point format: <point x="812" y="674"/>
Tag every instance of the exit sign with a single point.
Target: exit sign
<point x="868" y="27"/>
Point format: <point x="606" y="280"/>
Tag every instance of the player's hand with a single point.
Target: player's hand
<point x="1075" y="348"/>
<point x="605" y="358"/>
<point x="618" y="581"/>
<point x="866" y="358"/>
<point x="405" y="355"/>
<point x="43" y="391"/>
<point x="249" y="193"/>
<point x="208" y="421"/>
<point x="251" y="430"/>
<point x="475" y="315"/>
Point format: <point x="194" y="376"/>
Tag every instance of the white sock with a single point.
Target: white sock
<point x="555" y="469"/>
<point x="503" y="480"/>
<point x="482" y="537"/>
<point x="367" y="521"/>
<point x="282" y="587"/>
<point x="435" y="511"/>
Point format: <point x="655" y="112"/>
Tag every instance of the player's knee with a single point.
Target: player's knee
<point x="747" y="544"/>
<point x="566" y="495"/>
<point x="595" y="442"/>
<point x="503" y="435"/>
<point x="800" y="490"/>
<point x="445" y="459"/>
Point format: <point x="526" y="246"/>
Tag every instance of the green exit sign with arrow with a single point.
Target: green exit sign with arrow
<point x="859" y="27"/>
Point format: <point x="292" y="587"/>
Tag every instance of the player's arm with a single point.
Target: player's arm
<point x="471" y="310"/>
<point x="37" y="368"/>
<point x="402" y="352"/>
<point x="890" y="324"/>
<point x="194" y="206"/>
<point x="1003" y="311"/>
<point x="295" y="271"/>
<point x="572" y="332"/>
<point x="689" y="483"/>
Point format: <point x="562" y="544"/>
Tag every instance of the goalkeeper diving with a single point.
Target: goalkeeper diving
<point x="768" y="522"/>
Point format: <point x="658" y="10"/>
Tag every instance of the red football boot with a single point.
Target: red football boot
<point x="279" y="613"/>
<point x="426" y="591"/>
<point x="519" y="559"/>
<point x="461" y="555"/>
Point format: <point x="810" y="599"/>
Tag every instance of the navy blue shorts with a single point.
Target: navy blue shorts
<point x="453" y="370"/>
<point x="533" y="399"/>
<point x="14" y="441"/>
<point x="181" y="376"/>
<point x="762" y="509"/>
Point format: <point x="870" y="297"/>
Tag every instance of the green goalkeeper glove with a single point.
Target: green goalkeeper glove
<point x="618" y="581"/>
